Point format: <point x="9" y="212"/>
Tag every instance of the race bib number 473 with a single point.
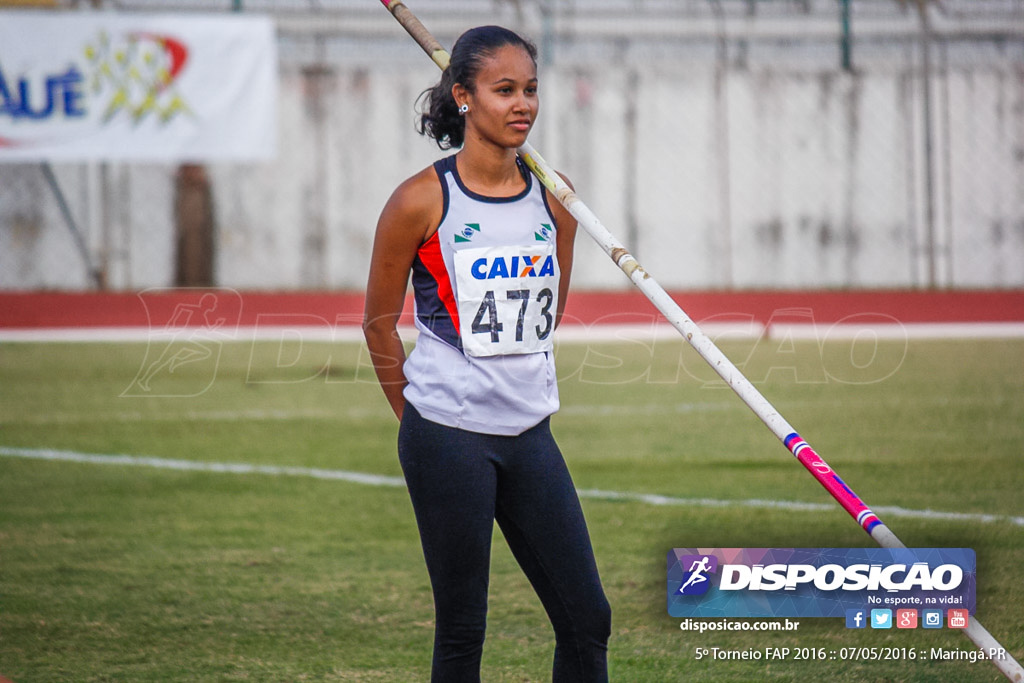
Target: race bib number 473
<point x="508" y="297"/>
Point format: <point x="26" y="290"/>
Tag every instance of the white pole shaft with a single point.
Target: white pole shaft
<point x="707" y="349"/>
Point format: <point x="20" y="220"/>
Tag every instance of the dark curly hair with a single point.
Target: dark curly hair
<point x="439" y="115"/>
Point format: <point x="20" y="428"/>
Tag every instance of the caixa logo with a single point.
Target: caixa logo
<point x="512" y="266"/>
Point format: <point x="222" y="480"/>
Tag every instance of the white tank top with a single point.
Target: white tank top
<point x="485" y="289"/>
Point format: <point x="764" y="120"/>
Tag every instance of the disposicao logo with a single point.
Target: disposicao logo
<point x="818" y="582"/>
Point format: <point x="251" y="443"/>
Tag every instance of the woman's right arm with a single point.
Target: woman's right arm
<point x="411" y="214"/>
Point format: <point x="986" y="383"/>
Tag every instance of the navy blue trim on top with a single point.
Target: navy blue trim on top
<point x="547" y="207"/>
<point x="439" y="169"/>
<point x="448" y="164"/>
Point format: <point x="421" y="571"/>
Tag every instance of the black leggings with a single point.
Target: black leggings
<point x="460" y="482"/>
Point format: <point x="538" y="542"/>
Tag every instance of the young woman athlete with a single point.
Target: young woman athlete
<point x="490" y="253"/>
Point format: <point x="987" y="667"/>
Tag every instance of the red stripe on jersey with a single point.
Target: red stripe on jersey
<point x="430" y="255"/>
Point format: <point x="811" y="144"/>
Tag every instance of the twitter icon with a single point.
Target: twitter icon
<point x="881" y="618"/>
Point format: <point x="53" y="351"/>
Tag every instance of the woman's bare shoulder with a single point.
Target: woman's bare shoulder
<point x="418" y="191"/>
<point x="416" y="204"/>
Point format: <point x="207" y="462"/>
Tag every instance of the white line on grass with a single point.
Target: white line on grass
<point x="382" y="480"/>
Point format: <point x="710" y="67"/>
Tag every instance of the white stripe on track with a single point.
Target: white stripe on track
<point x="349" y="413"/>
<point x="200" y="416"/>
<point x="571" y="410"/>
<point x="382" y="480"/>
<point x="567" y="333"/>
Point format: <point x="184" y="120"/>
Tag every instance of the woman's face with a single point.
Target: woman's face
<point x="504" y="105"/>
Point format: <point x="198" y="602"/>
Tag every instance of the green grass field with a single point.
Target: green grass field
<point x="135" y="573"/>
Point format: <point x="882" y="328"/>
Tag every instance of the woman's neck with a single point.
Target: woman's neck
<point x="490" y="171"/>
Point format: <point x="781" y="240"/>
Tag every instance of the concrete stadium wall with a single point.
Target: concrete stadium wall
<point x="765" y="165"/>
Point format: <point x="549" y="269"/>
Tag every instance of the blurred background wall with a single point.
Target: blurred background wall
<point x="731" y="144"/>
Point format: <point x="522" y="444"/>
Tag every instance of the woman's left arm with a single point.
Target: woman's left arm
<point x="565" y="238"/>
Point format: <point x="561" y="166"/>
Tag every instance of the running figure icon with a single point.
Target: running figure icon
<point x="190" y="336"/>
<point x="697" y="571"/>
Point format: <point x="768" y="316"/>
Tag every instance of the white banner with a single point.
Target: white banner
<point x="97" y="86"/>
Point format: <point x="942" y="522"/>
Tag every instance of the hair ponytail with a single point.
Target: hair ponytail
<point x="439" y="115"/>
<point x="440" y="118"/>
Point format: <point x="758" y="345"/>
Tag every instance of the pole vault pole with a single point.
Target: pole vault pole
<point x="703" y="345"/>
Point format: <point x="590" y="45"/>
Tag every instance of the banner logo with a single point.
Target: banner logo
<point x="136" y="75"/>
<point x="861" y="584"/>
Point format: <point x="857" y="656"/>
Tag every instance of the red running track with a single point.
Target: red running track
<point x="186" y="307"/>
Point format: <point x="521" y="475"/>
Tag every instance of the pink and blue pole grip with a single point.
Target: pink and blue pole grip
<point x="827" y="477"/>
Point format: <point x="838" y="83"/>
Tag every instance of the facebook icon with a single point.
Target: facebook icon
<point x="856" y="618"/>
